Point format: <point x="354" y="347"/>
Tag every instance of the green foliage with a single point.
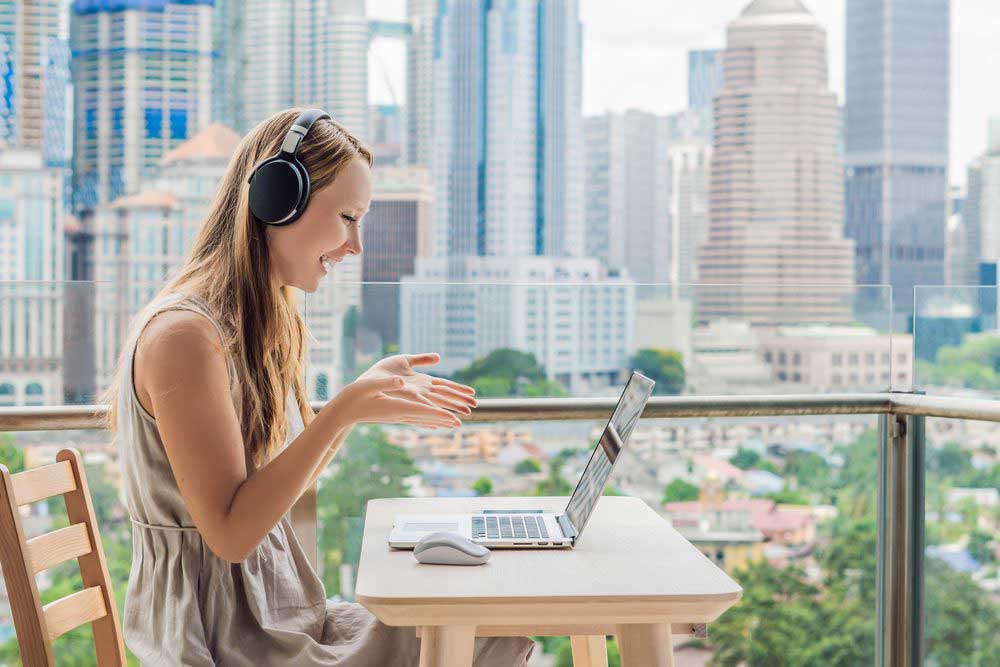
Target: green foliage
<point x="527" y="466"/>
<point x="963" y="624"/>
<point x="11" y="455"/>
<point x="662" y="366"/>
<point x="745" y="459"/>
<point x="555" y="484"/>
<point x="680" y="490"/>
<point x="368" y="467"/>
<point x="483" y="486"/>
<point x="808" y="468"/>
<point x="974" y="364"/>
<point x="788" y="497"/>
<point x="491" y="387"/>
<point x="981" y="546"/>
<point x="507" y="372"/>
<point x="949" y="460"/>
<point x="768" y="466"/>
<point x="784" y="620"/>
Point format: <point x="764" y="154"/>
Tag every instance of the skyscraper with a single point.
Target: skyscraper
<point x="142" y="75"/>
<point x="304" y="53"/>
<point x="776" y="193"/>
<point x="34" y="76"/>
<point x="505" y="153"/>
<point x="635" y="183"/>
<point x="31" y="266"/>
<point x="507" y="128"/>
<point x="981" y="214"/>
<point x="897" y="82"/>
<point x="704" y="77"/>
<point x="397" y="230"/>
<point x="420" y="91"/>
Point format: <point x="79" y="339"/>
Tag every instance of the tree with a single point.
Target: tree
<point x="784" y="620"/>
<point x="527" y="466"/>
<point x="951" y="460"/>
<point x="491" y="387"/>
<point x="788" y="497"/>
<point x="981" y="546"/>
<point x="512" y="365"/>
<point x="555" y="484"/>
<point x="662" y="366"/>
<point x="810" y="470"/>
<point x="745" y="458"/>
<point x="11" y="455"/>
<point x="963" y="624"/>
<point x="483" y="486"/>
<point x="679" y="491"/>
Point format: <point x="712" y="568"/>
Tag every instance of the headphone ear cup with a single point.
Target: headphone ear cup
<point x="275" y="191"/>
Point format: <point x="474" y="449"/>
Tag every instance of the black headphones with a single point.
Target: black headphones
<point x="279" y="186"/>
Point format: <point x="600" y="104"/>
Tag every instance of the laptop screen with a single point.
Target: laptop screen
<point x="605" y="454"/>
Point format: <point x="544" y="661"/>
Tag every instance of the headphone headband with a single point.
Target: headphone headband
<point x="279" y="186"/>
<point x="300" y="128"/>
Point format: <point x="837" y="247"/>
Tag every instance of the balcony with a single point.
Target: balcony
<point x="877" y="538"/>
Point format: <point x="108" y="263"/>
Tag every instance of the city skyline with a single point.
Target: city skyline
<point x="654" y="60"/>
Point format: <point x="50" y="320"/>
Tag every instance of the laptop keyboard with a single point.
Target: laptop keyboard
<point x="509" y="526"/>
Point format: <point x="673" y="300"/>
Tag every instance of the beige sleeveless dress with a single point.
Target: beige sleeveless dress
<point x="186" y="606"/>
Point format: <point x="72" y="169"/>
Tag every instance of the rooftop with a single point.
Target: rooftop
<point x="215" y="142"/>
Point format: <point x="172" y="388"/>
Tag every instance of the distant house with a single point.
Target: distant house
<point x="956" y="558"/>
<point x="762" y="482"/>
<point x="777" y="523"/>
<point x="514" y="453"/>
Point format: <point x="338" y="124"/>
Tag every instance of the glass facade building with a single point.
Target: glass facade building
<point x="897" y="83"/>
<point x="704" y="77"/>
<point x="142" y="73"/>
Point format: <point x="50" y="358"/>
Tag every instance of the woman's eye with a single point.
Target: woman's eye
<point x="349" y="218"/>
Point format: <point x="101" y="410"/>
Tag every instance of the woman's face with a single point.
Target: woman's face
<point x="329" y="228"/>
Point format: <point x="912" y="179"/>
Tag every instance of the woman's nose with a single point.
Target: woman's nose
<point x="353" y="244"/>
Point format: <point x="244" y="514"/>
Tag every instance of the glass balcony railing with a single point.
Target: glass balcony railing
<point x="782" y="442"/>
<point x="957" y="352"/>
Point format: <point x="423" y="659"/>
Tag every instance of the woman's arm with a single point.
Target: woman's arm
<point x="338" y="441"/>
<point x="182" y="368"/>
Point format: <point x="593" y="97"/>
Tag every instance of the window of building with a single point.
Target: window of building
<point x="154" y="123"/>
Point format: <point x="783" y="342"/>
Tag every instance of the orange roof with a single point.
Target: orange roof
<point x="147" y="199"/>
<point x="215" y="142"/>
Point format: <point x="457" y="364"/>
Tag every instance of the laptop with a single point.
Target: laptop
<point x="535" y="528"/>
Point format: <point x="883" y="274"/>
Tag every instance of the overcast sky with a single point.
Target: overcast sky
<point x="637" y="58"/>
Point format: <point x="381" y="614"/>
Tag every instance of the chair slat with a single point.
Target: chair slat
<point x="39" y="483"/>
<point x="59" y="546"/>
<point x="73" y="611"/>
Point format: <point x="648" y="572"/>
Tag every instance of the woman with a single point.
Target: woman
<point x="217" y="441"/>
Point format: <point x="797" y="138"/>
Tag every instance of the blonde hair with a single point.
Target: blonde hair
<point x="229" y="267"/>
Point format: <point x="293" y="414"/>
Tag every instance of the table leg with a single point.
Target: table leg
<point x="643" y="645"/>
<point x="447" y="645"/>
<point x="589" y="651"/>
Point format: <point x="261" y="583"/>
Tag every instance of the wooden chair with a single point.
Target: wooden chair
<point x="21" y="559"/>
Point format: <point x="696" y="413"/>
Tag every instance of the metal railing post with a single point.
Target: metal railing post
<point x="900" y="561"/>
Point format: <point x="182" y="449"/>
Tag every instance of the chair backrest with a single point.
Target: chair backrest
<point x="36" y="625"/>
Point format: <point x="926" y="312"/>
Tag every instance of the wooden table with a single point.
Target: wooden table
<point x="631" y="575"/>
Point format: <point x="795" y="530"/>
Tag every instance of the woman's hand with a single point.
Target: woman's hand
<point x="422" y="387"/>
<point x="378" y="401"/>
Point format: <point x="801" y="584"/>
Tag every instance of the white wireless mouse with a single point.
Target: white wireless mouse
<point x="445" y="548"/>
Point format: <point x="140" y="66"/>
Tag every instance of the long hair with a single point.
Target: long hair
<point x="229" y="267"/>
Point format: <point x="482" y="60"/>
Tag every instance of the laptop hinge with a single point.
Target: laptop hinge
<point x="567" y="526"/>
